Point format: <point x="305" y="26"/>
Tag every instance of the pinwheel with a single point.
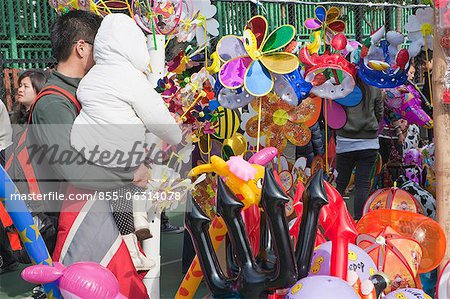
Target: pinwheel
<point x="207" y="24"/>
<point x="167" y="87"/>
<point x="159" y="16"/>
<point x="64" y="6"/>
<point x="251" y="60"/>
<point x="420" y="32"/>
<point x="281" y="122"/>
<point x="327" y="20"/>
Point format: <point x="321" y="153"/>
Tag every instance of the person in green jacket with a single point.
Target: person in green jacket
<point x="357" y="144"/>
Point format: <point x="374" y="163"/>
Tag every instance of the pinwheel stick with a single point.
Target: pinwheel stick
<point x="259" y="125"/>
<point x="201" y="95"/>
<point x="428" y="71"/>
<point x="326" y="134"/>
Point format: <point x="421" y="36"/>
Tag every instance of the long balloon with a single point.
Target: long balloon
<point x="314" y="199"/>
<point x="28" y="231"/>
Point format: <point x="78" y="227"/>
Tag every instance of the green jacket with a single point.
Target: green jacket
<point x="52" y="119"/>
<point x="363" y="119"/>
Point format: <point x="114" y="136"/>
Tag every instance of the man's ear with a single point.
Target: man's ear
<point x="81" y="49"/>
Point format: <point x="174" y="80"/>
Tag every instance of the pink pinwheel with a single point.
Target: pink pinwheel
<point x="251" y="60"/>
<point x="327" y="20"/>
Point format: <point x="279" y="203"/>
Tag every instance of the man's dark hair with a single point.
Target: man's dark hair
<point x="69" y="28"/>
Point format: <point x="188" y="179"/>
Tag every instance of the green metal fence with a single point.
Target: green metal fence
<point x="24" y="33"/>
<point x="25" y="24"/>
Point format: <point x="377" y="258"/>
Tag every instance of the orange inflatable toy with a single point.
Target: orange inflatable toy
<point x="420" y="228"/>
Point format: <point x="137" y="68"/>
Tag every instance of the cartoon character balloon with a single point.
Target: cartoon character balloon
<point x="358" y="261"/>
<point x="323" y="287"/>
<point x="79" y="280"/>
<point x="407" y="294"/>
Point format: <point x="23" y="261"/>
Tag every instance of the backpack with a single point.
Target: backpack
<point x="23" y="174"/>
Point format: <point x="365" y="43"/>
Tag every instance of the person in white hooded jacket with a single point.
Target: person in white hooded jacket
<point x="119" y="110"/>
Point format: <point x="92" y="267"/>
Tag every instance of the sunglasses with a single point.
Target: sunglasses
<point x="90" y="43"/>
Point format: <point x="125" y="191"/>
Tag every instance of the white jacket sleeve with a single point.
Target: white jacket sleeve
<point x="151" y="109"/>
<point x="5" y="127"/>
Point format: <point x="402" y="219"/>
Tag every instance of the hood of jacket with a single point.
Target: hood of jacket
<point x="120" y="40"/>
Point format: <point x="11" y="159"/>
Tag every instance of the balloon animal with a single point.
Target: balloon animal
<point x="248" y="279"/>
<point x="80" y="280"/>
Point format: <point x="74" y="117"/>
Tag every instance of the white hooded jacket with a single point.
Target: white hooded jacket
<point x="118" y="102"/>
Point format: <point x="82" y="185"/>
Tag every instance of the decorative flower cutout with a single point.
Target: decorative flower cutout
<point x="420" y="30"/>
<point x="328" y="20"/>
<point x="207" y="24"/>
<point x="250" y="60"/>
<point x="281" y="122"/>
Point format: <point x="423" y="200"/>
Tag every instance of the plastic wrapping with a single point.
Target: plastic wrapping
<point x="443" y="31"/>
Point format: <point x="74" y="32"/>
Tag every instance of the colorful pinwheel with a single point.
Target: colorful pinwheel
<point x="328" y="20"/>
<point x="207" y="25"/>
<point x="167" y="87"/>
<point x="250" y="60"/>
<point x="162" y="16"/>
<point x="281" y="122"/>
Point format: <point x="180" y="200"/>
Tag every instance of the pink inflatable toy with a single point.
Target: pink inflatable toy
<point x="405" y="101"/>
<point x="264" y="156"/>
<point x="82" y="280"/>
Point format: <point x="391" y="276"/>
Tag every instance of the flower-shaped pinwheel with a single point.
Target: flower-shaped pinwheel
<point x="420" y="30"/>
<point x="250" y="61"/>
<point x="328" y="21"/>
<point x="281" y="122"/>
<point x="207" y="24"/>
<point x="180" y="63"/>
<point x="167" y="87"/>
<point x="196" y="86"/>
<point x="202" y="113"/>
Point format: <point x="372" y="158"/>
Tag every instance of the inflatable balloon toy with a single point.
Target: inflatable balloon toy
<point x="397" y="256"/>
<point x="371" y="288"/>
<point x="332" y="76"/>
<point x="323" y="287"/>
<point x="337" y="225"/>
<point x="412" y="138"/>
<point x="381" y="63"/>
<point x="406" y="102"/>
<point x="82" y="280"/>
<point x="232" y="98"/>
<point x="408" y="293"/>
<point x="413" y="166"/>
<point x="419" y="228"/>
<point x="28" y="231"/>
<point x="248" y="191"/>
<point x="280" y="121"/>
<point x="358" y="261"/>
<point x="251" y="61"/>
<point x="422" y="196"/>
<point x="443" y="285"/>
<point x="392" y="198"/>
<point x="250" y="281"/>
